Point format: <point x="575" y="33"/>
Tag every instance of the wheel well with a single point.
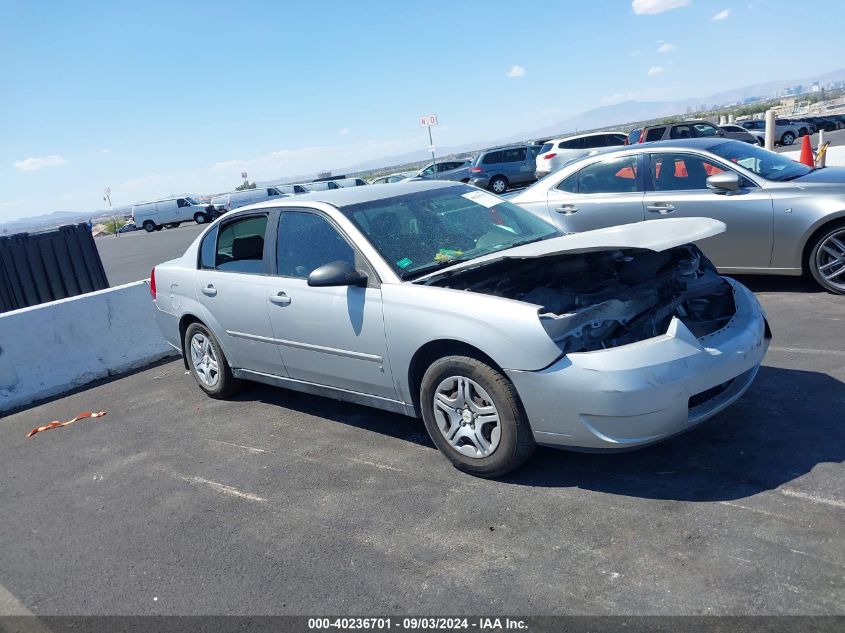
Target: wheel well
<point x="430" y="352"/>
<point x="808" y="245"/>
<point x="184" y="322"/>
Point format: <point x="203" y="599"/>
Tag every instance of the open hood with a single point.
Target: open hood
<point x="653" y="235"/>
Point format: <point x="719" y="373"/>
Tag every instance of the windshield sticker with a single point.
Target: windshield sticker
<point x="404" y="262"/>
<point x="447" y="255"/>
<point x="483" y="198"/>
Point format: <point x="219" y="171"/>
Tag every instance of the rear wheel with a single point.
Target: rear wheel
<point x="149" y="226"/>
<point x="206" y="362"/>
<point x="498" y="184"/>
<point x="473" y="414"/>
<point x="788" y="138"/>
<point x="200" y="218"/>
<point x="827" y="260"/>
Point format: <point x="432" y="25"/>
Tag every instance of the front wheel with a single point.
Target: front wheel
<point x="827" y="260"/>
<point x="498" y="184"/>
<point x="473" y="414"/>
<point x="200" y="218"/>
<point x="207" y="363"/>
<point x="788" y="138"/>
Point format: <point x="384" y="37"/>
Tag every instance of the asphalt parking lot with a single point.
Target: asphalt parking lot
<point x="282" y="503"/>
<point x="836" y="139"/>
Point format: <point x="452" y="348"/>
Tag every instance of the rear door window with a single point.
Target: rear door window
<point x="492" y="158"/>
<point x="617" y="175"/>
<point x="655" y="134"/>
<point x="599" y="140"/>
<point x="240" y="245"/>
<point x="515" y="155"/>
<point x="573" y="143"/>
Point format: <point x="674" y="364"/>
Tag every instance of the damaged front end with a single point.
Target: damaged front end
<point x="603" y="299"/>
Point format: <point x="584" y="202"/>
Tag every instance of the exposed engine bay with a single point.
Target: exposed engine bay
<point x="598" y="300"/>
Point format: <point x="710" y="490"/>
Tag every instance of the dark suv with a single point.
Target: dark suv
<point x="674" y="131"/>
<point x="497" y="169"/>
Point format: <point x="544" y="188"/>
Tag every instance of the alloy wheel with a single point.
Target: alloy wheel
<point x="467" y="417"/>
<point x="830" y="260"/>
<point x="204" y="360"/>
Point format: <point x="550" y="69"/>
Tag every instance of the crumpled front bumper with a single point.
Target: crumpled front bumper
<point x="644" y="392"/>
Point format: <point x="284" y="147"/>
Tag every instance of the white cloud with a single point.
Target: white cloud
<point x="344" y="131"/>
<point x="722" y="15"/>
<point x="654" y="70"/>
<point x="516" y="71"/>
<point x="665" y="47"/>
<point x="636" y="53"/>
<point x="34" y="164"/>
<point x="103" y="152"/>
<point x="653" y="7"/>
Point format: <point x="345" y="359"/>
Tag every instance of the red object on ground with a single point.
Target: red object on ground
<point x="806" y="157"/>
<point x="55" y="424"/>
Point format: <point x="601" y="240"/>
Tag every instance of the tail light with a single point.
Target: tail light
<point x="475" y="170"/>
<point x="153" y="283"/>
<point x="549" y="156"/>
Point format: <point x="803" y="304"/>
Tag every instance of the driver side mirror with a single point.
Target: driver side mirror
<point x="336" y="274"/>
<point x="720" y="132"/>
<point x="726" y="181"/>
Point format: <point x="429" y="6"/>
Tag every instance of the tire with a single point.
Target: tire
<point x="200" y="218"/>
<point x="803" y="131"/>
<point x="465" y="180"/>
<point x="149" y="226"/>
<point x="498" y="184"/>
<point x="488" y="448"/>
<point x="829" y="248"/>
<point x="788" y="138"/>
<point x="207" y="363"/>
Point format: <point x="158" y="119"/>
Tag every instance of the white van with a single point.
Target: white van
<point x="233" y="200"/>
<point x="351" y="182"/>
<point x="322" y="185"/>
<point x="170" y="212"/>
<point x="293" y="190"/>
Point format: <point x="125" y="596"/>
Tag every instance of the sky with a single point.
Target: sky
<point x="155" y="98"/>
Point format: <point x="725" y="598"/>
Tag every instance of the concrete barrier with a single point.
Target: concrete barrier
<point x="51" y="348"/>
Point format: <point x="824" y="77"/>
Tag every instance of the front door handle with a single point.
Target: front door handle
<point x="209" y="290"/>
<point x="567" y="209"/>
<point x="661" y="207"/>
<point x="280" y="299"/>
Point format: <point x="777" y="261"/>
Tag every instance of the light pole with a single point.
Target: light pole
<point x="107" y="198"/>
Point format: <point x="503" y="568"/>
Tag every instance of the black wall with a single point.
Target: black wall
<point x="40" y="267"/>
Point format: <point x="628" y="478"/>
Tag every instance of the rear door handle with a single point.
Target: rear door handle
<point x="280" y="299"/>
<point x="567" y="209"/>
<point x="209" y="290"/>
<point x="661" y="207"/>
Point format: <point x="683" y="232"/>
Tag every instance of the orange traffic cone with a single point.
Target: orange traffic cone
<point x="807" y="153"/>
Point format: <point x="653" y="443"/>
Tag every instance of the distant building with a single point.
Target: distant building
<point x="816" y="87"/>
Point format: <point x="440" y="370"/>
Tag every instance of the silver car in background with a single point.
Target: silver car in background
<point x="783" y="218"/>
<point x="457" y="170"/>
<point x="443" y="301"/>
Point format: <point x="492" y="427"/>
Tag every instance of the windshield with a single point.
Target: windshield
<point x="191" y="200"/>
<point x="419" y="232"/>
<point x="761" y="161"/>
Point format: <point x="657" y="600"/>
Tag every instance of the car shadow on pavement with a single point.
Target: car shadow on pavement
<point x="390" y="424"/>
<point x="778" y="283"/>
<point x="786" y="424"/>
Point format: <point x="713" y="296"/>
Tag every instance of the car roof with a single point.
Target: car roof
<point x="585" y="135"/>
<point x="346" y="196"/>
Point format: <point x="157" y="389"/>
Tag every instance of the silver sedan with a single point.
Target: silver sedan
<point x="782" y="217"/>
<point x="445" y="302"/>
